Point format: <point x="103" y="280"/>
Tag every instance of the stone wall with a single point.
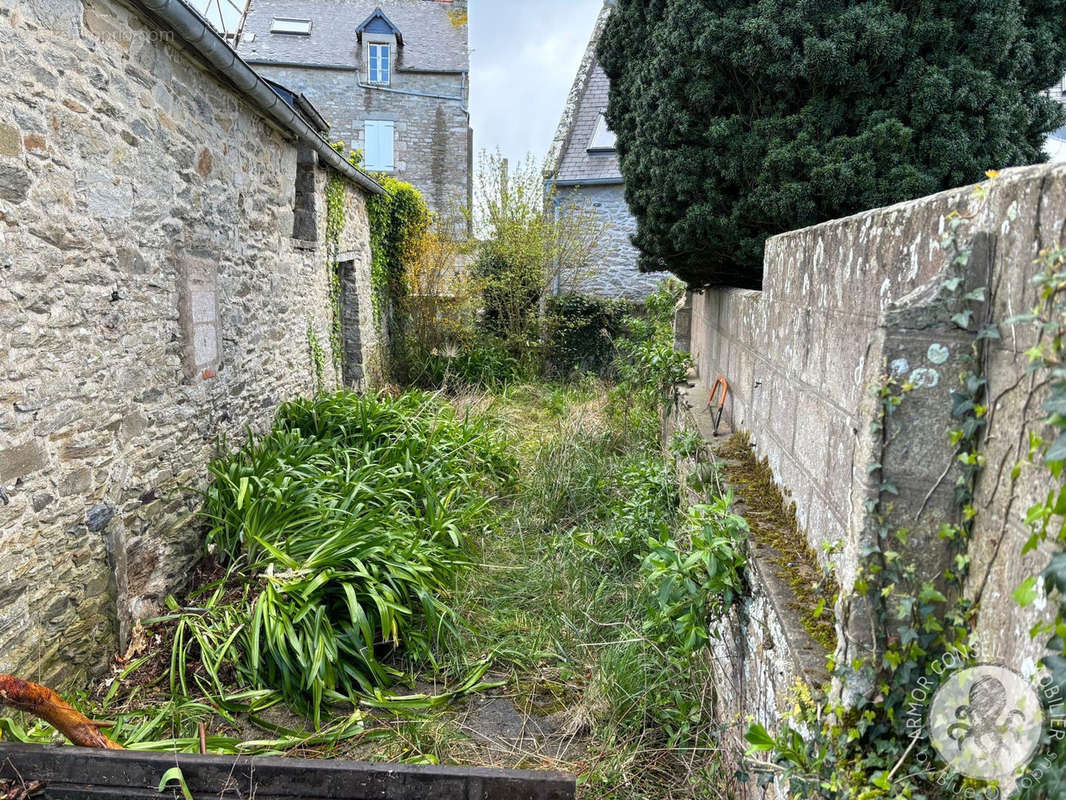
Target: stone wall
<point x="433" y="141"/>
<point x="613" y="272"/>
<point x="152" y="299"/>
<point x="850" y="301"/>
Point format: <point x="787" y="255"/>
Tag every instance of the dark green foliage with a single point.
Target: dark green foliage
<point x="740" y="120"/>
<point x="483" y="364"/>
<point x="581" y="332"/>
<point x="510" y="295"/>
<point x="398" y="222"/>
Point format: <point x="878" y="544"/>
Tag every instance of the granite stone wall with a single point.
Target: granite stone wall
<point x="613" y="272"/>
<point x="433" y="141"/>
<point x="152" y="299"/>
<point x="851" y="301"/>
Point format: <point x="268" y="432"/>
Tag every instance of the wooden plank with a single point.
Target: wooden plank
<point x="124" y="775"/>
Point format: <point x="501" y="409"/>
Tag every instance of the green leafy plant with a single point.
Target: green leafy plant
<point x="580" y="332"/>
<point x="344" y="529"/>
<point x="694" y="578"/>
<point x="1047" y="517"/>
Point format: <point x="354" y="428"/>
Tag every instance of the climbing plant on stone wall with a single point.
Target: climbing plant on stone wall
<point x="869" y="741"/>
<point x="335" y="205"/>
<point x="1047" y="518"/>
<point x="398" y="222"/>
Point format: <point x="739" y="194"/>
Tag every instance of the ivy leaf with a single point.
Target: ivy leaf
<point x="1055" y="572"/>
<point x="1056" y="404"/>
<point x="1025" y="594"/>
<point x="963" y="319"/>
<point x="1057" y="451"/>
<point x="758" y="738"/>
<point x="930" y="594"/>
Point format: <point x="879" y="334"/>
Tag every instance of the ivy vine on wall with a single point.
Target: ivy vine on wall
<point x="875" y="746"/>
<point x="335" y="212"/>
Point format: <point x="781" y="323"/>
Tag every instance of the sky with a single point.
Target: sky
<point x="524" y="58"/>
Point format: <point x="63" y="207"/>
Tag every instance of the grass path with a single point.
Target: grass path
<point x="584" y="688"/>
<point x="559" y="659"/>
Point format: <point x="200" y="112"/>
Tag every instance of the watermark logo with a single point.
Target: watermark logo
<point x="986" y="725"/>
<point x="986" y="722"/>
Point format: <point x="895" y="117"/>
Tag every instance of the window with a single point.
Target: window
<point x="288" y="25"/>
<point x="378" y="145"/>
<point x="379" y="63"/>
<point x="603" y="139"/>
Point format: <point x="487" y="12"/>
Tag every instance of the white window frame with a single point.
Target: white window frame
<point x="374" y="61"/>
<point x="379" y="145"/>
<point x="291" y="25"/>
<point x="603" y="139"/>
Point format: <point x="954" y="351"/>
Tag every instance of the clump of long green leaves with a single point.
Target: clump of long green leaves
<point x="344" y="529"/>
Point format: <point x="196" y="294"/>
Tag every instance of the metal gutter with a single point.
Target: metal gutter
<point x="198" y="34"/>
<point x="411" y="93"/>
<point x="587" y="182"/>
<point x="267" y="62"/>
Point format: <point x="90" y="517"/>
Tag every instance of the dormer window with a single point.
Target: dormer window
<point x="603" y="139"/>
<point x="379" y="63"/>
<point x="300" y="27"/>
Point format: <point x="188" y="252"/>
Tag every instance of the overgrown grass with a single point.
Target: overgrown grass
<point x="529" y="550"/>
<point x="598" y="599"/>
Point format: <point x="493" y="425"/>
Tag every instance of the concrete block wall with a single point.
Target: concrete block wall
<point x="802" y="356"/>
<point x="152" y="298"/>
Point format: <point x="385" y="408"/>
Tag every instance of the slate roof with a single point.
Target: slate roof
<point x="570" y="160"/>
<point x="432" y="41"/>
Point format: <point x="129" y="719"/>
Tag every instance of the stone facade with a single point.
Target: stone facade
<point x="613" y="273"/>
<point x="427" y="97"/>
<point x="583" y="176"/>
<point x="152" y="299"/>
<point x="849" y="301"/>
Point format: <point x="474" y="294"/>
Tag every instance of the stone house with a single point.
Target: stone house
<point x="390" y="76"/>
<point x="583" y="172"/>
<point x="162" y="277"/>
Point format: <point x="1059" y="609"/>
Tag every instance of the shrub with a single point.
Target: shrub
<point x="580" y="333"/>
<point x="484" y="364"/>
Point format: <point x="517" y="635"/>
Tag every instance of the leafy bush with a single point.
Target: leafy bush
<point x="691" y="583"/>
<point x="644" y="507"/>
<point x="647" y="365"/>
<point x="580" y="333"/>
<point x="344" y="528"/>
<point x="484" y="364"/>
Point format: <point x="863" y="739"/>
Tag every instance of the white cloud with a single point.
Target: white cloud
<point x="524" y="60"/>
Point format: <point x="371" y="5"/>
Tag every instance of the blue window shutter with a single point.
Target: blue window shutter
<point x="379" y="150"/>
<point x="386" y="132"/>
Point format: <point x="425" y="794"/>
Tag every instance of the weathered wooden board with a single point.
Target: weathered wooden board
<point x="75" y="772"/>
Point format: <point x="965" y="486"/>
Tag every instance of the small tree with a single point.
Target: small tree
<point x="737" y="120"/>
<point x="528" y="250"/>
